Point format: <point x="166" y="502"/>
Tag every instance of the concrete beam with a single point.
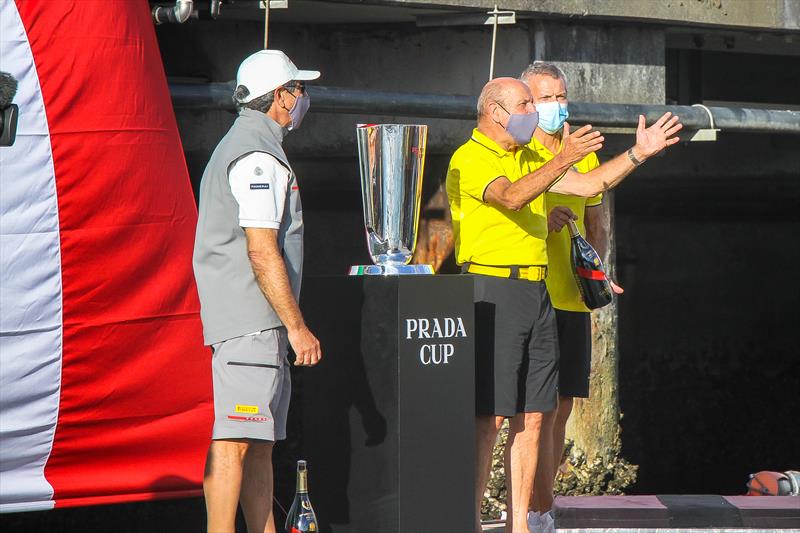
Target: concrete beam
<point x="778" y="15"/>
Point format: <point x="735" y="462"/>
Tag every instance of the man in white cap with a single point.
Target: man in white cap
<point x="248" y="260"/>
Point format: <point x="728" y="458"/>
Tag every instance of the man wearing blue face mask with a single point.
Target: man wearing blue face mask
<point x="248" y="261"/>
<point x="549" y="90"/>
<point x="496" y="186"/>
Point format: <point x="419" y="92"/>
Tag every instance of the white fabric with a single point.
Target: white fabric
<point x="266" y="70"/>
<point x="258" y="182"/>
<point x="30" y="286"/>
<point x="547" y="523"/>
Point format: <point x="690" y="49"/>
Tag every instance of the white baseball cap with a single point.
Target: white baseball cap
<point x="266" y="70"/>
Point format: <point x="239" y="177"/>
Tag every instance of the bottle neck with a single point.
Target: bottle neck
<point x="573" y="228"/>
<point x="302" y="477"/>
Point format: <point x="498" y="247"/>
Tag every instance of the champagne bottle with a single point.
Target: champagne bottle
<point x="301" y="517"/>
<point x="588" y="269"/>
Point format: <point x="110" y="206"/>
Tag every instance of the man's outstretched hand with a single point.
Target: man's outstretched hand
<point x="650" y="141"/>
<point x="576" y="146"/>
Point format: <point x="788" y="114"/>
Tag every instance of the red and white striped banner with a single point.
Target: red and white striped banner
<point x="105" y="386"/>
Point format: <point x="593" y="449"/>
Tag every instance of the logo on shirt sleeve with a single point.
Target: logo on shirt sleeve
<point x="256" y="186"/>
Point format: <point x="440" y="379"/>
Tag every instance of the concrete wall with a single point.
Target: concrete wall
<point x="762" y="14"/>
<point x="610" y="63"/>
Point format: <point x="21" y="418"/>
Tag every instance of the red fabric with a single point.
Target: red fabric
<point x="591" y="274"/>
<point x="136" y="408"/>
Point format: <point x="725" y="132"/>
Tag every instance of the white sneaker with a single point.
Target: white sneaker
<point x="548" y="525"/>
<point x="534" y="521"/>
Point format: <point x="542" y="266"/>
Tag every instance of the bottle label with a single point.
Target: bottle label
<point x="591" y="274"/>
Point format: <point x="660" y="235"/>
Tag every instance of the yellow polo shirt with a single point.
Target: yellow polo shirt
<point x="485" y="234"/>
<point x="560" y="280"/>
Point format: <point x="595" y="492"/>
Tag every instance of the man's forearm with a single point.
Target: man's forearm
<point x="273" y="280"/>
<point x="596" y="229"/>
<point x="532" y="185"/>
<point x="601" y="179"/>
<point x="611" y="173"/>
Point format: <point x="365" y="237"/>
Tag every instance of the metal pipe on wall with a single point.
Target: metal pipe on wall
<point x="364" y="102"/>
<point x="177" y="14"/>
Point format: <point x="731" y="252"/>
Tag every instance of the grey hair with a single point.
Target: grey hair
<point x="543" y="68"/>
<point x="263" y="102"/>
<point x="260" y="104"/>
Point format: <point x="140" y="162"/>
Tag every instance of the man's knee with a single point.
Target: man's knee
<point x="564" y="409"/>
<point x="229" y="447"/>
<point x="529" y="421"/>
<point x="223" y="453"/>
<point x="549" y="420"/>
<point x="260" y="449"/>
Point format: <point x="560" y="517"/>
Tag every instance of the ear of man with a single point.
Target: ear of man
<point x="494" y="111"/>
<point x="281" y="96"/>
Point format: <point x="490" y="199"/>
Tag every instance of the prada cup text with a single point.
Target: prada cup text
<point x="437" y="353"/>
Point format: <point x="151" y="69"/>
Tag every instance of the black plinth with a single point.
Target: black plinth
<point x="387" y="418"/>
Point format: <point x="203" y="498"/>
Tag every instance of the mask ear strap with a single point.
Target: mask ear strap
<point x="293" y="96"/>
<point x="504" y="109"/>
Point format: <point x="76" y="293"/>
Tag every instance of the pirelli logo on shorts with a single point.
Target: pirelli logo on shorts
<point x="249" y="414"/>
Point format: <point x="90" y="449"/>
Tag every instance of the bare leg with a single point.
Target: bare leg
<point x="522" y="453"/>
<point x="256" y="497"/>
<point x="560" y="430"/>
<point x="545" y="471"/>
<point x="486" y="435"/>
<point x="559" y="424"/>
<point x="222" y="482"/>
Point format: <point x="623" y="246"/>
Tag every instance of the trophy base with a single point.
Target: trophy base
<point x="390" y="270"/>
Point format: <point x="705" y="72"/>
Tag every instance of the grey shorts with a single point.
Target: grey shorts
<point x="252" y="386"/>
<point x="575" y="346"/>
<point x="516" y="359"/>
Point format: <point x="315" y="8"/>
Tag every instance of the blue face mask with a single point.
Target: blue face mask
<point x="552" y="116"/>
<point x="521" y="126"/>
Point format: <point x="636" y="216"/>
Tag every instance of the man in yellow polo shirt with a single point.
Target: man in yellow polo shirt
<point x="548" y="86"/>
<point x="496" y="186"/>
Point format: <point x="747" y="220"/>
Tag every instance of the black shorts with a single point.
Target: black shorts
<point x="575" y="346"/>
<point x="516" y="359"/>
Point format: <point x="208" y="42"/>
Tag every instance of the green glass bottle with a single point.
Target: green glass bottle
<point x="301" y="517"/>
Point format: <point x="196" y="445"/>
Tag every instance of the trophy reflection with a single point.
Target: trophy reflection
<point x="391" y="160"/>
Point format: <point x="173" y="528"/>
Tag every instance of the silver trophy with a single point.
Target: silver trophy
<point x="391" y="159"/>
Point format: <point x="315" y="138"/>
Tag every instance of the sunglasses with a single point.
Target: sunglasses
<point x="292" y="85"/>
